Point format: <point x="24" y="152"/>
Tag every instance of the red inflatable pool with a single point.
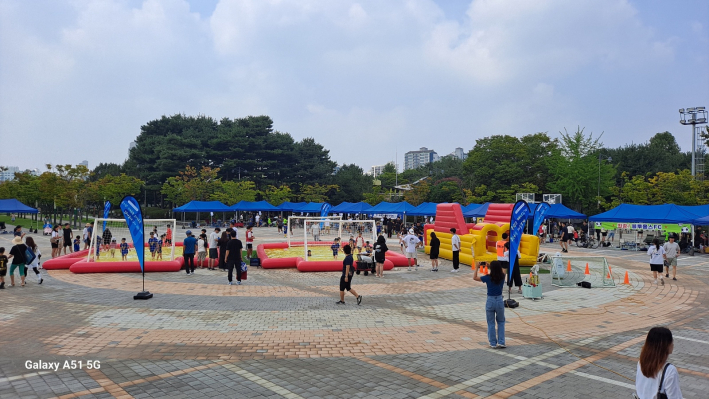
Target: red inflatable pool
<point x="393" y="259"/>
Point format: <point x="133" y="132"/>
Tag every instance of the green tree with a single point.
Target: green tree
<point x="660" y="154"/>
<point x="191" y="185"/>
<point x="447" y="190"/>
<point x="352" y="183"/>
<point x="375" y="196"/>
<point x="114" y="188"/>
<point x="105" y="169"/>
<point x="316" y="192"/>
<point x="277" y="195"/>
<point x="419" y="193"/>
<point x="231" y="192"/>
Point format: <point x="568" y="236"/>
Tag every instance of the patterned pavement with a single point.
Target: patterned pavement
<point x="417" y="334"/>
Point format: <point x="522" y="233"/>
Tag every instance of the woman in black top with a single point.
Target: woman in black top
<point x="435" y="247"/>
<point x="221" y="243"/>
<point x="380" y="249"/>
<point x="17" y="253"/>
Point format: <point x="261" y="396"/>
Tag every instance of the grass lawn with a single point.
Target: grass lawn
<point x="26" y="222"/>
<point x="525" y="270"/>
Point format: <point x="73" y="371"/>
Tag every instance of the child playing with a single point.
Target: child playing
<point x="201" y="249"/>
<point x="153" y="244"/>
<point x="310" y="253"/>
<point x="352" y="242"/>
<point x="124" y="249"/>
<point x="3" y="267"/>
<point x="359" y="242"/>
<point x="113" y="248"/>
<point x="249" y="241"/>
<point x="335" y="247"/>
<point x="77" y="243"/>
<point x="159" y="247"/>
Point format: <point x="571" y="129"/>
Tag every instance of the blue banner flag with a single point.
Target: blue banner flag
<point x="520" y="212"/>
<point x="324" y="210"/>
<point x="106" y="209"/>
<point x="134" y="219"/>
<point x="539" y="214"/>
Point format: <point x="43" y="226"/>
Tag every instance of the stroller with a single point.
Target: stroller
<point x="47" y="229"/>
<point x="364" y="263"/>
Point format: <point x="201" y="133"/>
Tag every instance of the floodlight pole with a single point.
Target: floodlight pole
<point x="693" y="117"/>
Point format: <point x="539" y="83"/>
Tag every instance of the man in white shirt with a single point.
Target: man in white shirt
<point x="412" y="242"/>
<point x="569" y="235"/>
<point x="455" y="244"/>
<point x="315" y="229"/>
<point x="213" y="253"/>
<point x="671" y="254"/>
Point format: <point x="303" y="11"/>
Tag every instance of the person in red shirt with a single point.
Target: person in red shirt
<point x="249" y="241"/>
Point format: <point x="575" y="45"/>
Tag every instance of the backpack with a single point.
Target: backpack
<point x="29" y="256"/>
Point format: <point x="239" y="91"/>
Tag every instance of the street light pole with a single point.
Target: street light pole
<point x="693" y="116"/>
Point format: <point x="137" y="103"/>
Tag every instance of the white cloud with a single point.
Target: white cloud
<point x="390" y="74"/>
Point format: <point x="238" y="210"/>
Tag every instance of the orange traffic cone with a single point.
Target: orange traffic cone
<point x="568" y="266"/>
<point x="627" y="280"/>
<point x="485" y="271"/>
<point x="587" y="272"/>
<point x="609" y="272"/>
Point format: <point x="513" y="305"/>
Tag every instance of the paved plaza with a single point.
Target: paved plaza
<point x="416" y="335"/>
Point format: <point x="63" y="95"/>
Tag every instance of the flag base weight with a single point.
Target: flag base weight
<point x="511" y="303"/>
<point x="143" y="295"/>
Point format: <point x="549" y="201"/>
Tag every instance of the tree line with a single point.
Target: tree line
<point x="181" y="158"/>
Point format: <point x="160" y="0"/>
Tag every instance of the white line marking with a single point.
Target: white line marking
<point x="603" y="379"/>
<point x="691" y="339"/>
<point x="23" y="376"/>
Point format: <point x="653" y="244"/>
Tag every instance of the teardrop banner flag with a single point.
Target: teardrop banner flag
<point x="520" y="212"/>
<point x="106" y="209"/>
<point x="134" y="219"/>
<point x="324" y="210"/>
<point x="539" y="214"/>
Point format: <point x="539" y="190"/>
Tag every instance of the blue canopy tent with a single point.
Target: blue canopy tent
<point x="392" y="207"/>
<point x="202" y="206"/>
<point x="357" y="208"/>
<point x="470" y="207"/>
<point x="310" y="207"/>
<point x="662" y="214"/>
<point x="557" y="211"/>
<point x="15" y="206"/>
<point x="425" y="209"/>
<point x="249" y="206"/>
<point x="290" y="206"/>
<point x="341" y="208"/>
<point x="478" y="212"/>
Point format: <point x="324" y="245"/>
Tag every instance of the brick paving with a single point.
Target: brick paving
<point x="417" y="334"/>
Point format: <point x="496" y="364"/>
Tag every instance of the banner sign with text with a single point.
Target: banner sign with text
<point x="134" y="219"/>
<point x="520" y="212"/>
<point x="324" y="210"/>
<point x="106" y="209"/>
<point x="539" y="214"/>
<point x="671" y="228"/>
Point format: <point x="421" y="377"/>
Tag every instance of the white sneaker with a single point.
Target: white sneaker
<point x="229" y="283"/>
<point x="409" y="268"/>
<point x="655" y="282"/>
<point x="238" y="283"/>
<point x="454" y="271"/>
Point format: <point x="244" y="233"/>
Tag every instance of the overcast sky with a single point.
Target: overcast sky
<point x="365" y="79"/>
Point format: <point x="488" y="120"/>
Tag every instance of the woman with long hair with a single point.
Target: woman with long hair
<point x="657" y="260"/>
<point x="222" y="249"/>
<point x="380" y="249"/>
<point x="654" y="375"/>
<point x="29" y="241"/>
<point x="495" y="306"/>
<point x="435" y="244"/>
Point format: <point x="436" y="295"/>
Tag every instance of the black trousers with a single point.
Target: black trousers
<point x="456" y="259"/>
<point x="516" y="276"/>
<point x="189" y="261"/>
<point x="230" y="267"/>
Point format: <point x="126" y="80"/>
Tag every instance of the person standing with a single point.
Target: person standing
<point x="495" y="305"/>
<point x="380" y="249"/>
<point x="672" y="252"/>
<point x="435" y="244"/>
<point x="654" y="374"/>
<point x="249" y="242"/>
<point x="168" y="236"/>
<point x="223" y="241"/>
<point x="189" y="247"/>
<point x="279" y="223"/>
<point x="455" y="246"/>
<point x="86" y="235"/>
<point x="390" y="227"/>
<point x="233" y="257"/>
<point x="17" y="254"/>
<point x="502" y="255"/>
<point x="315" y="230"/>
<point x="202" y="250"/>
<point x="569" y="235"/>
<point x="32" y="246"/>
<point x="54" y="240"/>
<point x="657" y="254"/>
<point x="515" y="275"/>
<point x="213" y="251"/>
<point x="562" y="237"/>
<point x="412" y="243"/>
<point x="68" y="236"/>
<point x="346" y="278"/>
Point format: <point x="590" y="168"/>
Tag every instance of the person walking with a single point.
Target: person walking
<point x="189" y="247"/>
<point x="569" y="235"/>
<point x="249" y="241"/>
<point x="347" y="275"/>
<point x="495" y="305"/>
<point x="68" y="237"/>
<point x="657" y="255"/>
<point x="455" y="246"/>
<point x="435" y="244"/>
<point x="654" y="375"/>
<point x="222" y="242"/>
<point x="412" y="243"/>
<point x="563" y="238"/>
<point x="380" y="249"/>
<point x="17" y="254"/>
<point x="672" y="252"/>
<point x="32" y="246"/>
<point x="233" y="257"/>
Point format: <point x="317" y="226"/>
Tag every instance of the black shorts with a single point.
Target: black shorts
<point x="604" y="233"/>
<point x="345" y="285"/>
<point x="67" y="243"/>
<point x="55" y="245"/>
<point x="249" y="245"/>
<point x="656" y="268"/>
<point x="213" y="254"/>
<point x="433" y="256"/>
<point x="3" y="272"/>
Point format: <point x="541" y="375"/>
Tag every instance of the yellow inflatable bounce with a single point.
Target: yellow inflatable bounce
<point x="477" y="241"/>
